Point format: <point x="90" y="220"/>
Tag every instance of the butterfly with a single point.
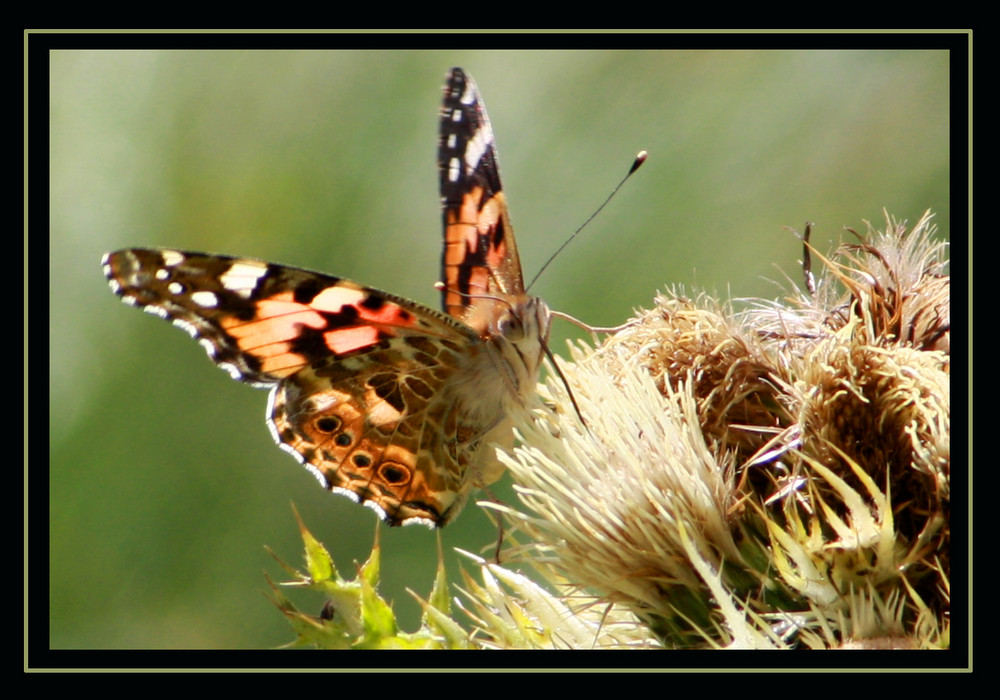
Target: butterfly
<point x="392" y="403"/>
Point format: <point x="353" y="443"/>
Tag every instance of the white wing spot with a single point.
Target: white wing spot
<point x="298" y="458"/>
<point x="187" y="327"/>
<point x="233" y="370"/>
<point x="344" y="492"/>
<point x="469" y="96"/>
<point x="315" y="472"/>
<point x="371" y="504"/>
<point x="156" y="311"/>
<point x="477" y="146"/>
<point x="270" y="415"/>
<point x="162" y="274"/>
<point x="207" y="300"/>
<point x="172" y="257"/>
<point x="242" y="277"/>
<point x="208" y="345"/>
<point x="454" y="170"/>
<point x="175" y="288"/>
<point x="426" y="522"/>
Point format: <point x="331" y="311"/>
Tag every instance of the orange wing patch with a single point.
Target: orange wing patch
<point x="475" y="246"/>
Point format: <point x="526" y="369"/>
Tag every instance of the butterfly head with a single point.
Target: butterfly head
<point x="517" y="333"/>
<point x="526" y="319"/>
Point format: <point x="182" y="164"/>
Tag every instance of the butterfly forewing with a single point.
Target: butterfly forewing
<point x="264" y="322"/>
<point x="480" y="255"/>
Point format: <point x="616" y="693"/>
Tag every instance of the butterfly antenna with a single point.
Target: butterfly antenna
<point x="640" y="158"/>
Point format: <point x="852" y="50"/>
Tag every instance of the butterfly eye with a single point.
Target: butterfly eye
<point x="511" y="327"/>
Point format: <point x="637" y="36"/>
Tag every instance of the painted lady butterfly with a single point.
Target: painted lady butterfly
<point x="387" y="401"/>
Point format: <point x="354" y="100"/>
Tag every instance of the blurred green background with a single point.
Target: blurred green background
<point x="165" y="484"/>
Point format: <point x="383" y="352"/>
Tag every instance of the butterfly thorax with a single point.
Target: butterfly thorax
<point x="492" y="384"/>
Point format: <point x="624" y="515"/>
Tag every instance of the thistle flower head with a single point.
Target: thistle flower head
<point x="773" y="478"/>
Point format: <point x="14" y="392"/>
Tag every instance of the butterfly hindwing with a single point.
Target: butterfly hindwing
<point x="380" y="427"/>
